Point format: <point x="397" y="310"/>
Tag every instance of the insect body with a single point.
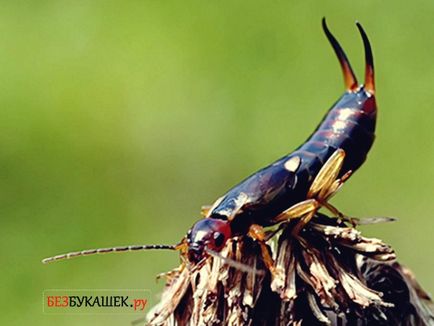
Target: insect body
<point x="296" y="185"/>
<point x="348" y="127"/>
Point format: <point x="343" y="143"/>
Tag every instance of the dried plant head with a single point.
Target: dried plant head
<point x="329" y="274"/>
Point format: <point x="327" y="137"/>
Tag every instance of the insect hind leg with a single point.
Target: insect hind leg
<point x="324" y="186"/>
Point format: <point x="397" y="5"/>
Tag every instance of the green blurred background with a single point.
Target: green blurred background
<point x="119" y="120"/>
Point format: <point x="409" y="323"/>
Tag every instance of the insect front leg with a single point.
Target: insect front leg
<point x="257" y="233"/>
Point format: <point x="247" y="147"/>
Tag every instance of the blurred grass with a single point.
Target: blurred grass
<point x="118" y="121"/>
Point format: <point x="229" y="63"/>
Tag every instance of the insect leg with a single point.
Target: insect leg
<point x="334" y="188"/>
<point x="257" y="233"/>
<point x="303" y="221"/>
<point x="323" y="187"/>
<point x="327" y="175"/>
<point x="298" y="210"/>
<point x="340" y="215"/>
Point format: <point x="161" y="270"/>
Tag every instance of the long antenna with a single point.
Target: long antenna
<point x="349" y="77"/>
<point x="89" y="252"/>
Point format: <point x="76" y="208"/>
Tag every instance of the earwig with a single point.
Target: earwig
<point x="295" y="186"/>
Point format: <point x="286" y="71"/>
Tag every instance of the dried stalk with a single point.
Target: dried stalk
<point x="329" y="275"/>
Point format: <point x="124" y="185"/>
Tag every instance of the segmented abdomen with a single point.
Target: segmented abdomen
<point x="349" y="125"/>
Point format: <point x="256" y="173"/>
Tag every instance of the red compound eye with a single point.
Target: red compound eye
<point x="219" y="239"/>
<point x="222" y="232"/>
